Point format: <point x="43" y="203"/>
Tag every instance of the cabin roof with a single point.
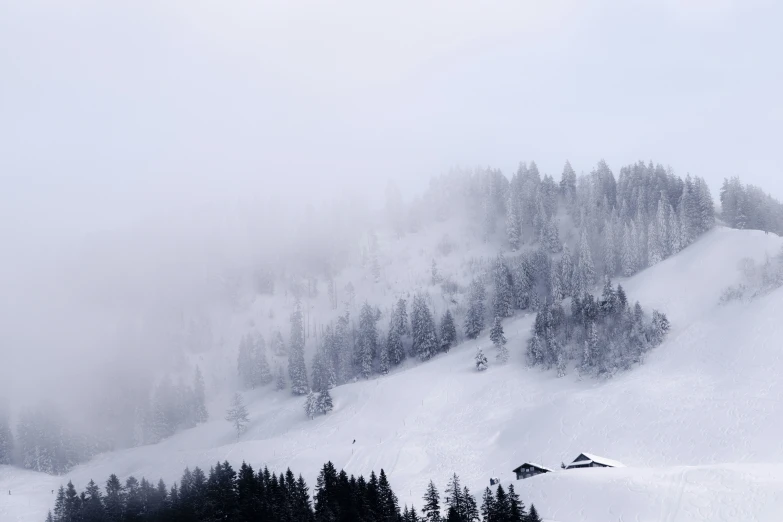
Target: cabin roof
<point x="597" y="459"/>
<point x="531" y="465"/>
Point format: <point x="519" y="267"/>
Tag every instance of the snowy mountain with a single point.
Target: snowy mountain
<point x="695" y="424"/>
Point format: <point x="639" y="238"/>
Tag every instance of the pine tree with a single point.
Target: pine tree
<point x="471" y="509"/>
<point x="586" y="269"/>
<point x="367" y="342"/>
<point x="278" y="345"/>
<point x="552" y="236"/>
<point x="536" y="348"/>
<point x="92" y="507"/>
<point x="504" y="293"/>
<point x="533" y="515"/>
<point x="654" y="243"/>
<point x="610" y="248"/>
<point x="496" y="335"/>
<point x="481" y="360"/>
<point x="448" y="331"/>
<point x="628" y="261"/>
<point x="488" y="506"/>
<point x="513" y="228"/>
<point x="297" y="371"/>
<point x="516" y="512"/>
<point x="566" y="271"/>
<point x="72" y="503"/>
<point x="395" y="351"/>
<point x="280" y="380"/>
<point x="454" y="499"/>
<point x="311" y="405"/>
<point x="436" y="278"/>
<point x="375" y="267"/>
<point x="383" y="363"/>
<point x="660" y="327"/>
<point x="245" y="361"/>
<point x="237" y="414"/>
<point x="344" y="347"/>
<point x="6" y="438"/>
<point x="323" y="373"/>
<point x="114" y="499"/>
<point x="474" y="318"/>
<point x="425" y="340"/>
<point x="59" y="505"/>
<point x="401" y="317"/>
<point x="431" y="510"/>
<point x="261" y="372"/>
<point x="501" y="510"/>
<point x="199" y="398"/>
<point x="389" y="506"/>
<point x="662" y="223"/>
<point x="324" y="402"/>
<point x="556" y="282"/>
<point x="675" y="232"/>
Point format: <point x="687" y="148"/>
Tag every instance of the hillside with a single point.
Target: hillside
<point x="693" y="424"/>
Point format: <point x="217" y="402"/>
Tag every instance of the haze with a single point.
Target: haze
<point x="146" y="144"/>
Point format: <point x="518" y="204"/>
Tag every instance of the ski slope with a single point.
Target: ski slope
<point x="698" y="425"/>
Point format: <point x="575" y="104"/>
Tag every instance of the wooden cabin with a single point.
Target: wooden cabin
<point x="528" y="470"/>
<point x="588" y="460"/>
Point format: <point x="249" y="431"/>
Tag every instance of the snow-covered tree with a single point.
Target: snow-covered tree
<point x="261" y="371"/>
<point x="504" y="291"/>
<point x="513" y="226"/>
<point x="431" y="510"/>
<point x="278" y="345"/>
<point x="425" y="339"/>
<point x="481" y="360"/>
<point x="344" y="347"/>
<point x="585" y="274"/>
<point x="610" y="248"/>
<point x="367" y="341"/>
<point x="324" y="402"/>
<point x="566" y="271"/>
<point x="199" y="398"/>
<point x="280" y="379"/>
<point x="394" y="349"/>
<point x="297" y="372"/>
<point x="654" y="244"/>
<point x="448" y="331"/>
<point x="324" y="377"/>
<point x="552" y="236"/>
<point x="435" y="275"/>
<point x="498" y="338"/>
<point x="311" y="405"/>
<point x="237" y="414"/>
<point x="628" y="260"/>
<point x="474" y="318"/>
<point x="6" y="438"/>
<point x="375" y="267"/>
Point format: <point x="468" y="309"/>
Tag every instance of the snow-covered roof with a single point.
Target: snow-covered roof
<point x="598" y="460"/>
<point x="532" y="465"/>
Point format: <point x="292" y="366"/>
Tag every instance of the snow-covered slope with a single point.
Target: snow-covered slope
<point x="697" y="425"/>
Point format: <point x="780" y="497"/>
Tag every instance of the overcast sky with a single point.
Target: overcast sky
<point x="116" y="110"/>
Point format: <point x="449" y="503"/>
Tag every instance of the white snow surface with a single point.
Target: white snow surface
<point x="698" y="425"/>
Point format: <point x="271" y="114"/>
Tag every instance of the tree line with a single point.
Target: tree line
<point x="249" y="495"/>
<point x="44" y="441"/>
<point x="749" y="207"/>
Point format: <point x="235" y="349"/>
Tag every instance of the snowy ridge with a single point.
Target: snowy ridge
<point x="697" y="425"/>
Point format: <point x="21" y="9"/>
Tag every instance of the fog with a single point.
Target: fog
<point x="147" y="148"/>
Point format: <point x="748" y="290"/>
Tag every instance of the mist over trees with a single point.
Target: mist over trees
<point x="749" y="207"/>
<point x="378" y="294"/>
